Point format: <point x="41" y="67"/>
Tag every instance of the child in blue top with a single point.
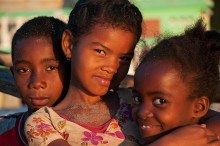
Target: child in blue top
<point x="40" y="71"/>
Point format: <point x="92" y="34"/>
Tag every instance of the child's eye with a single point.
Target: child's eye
<point x="137" y="100"/>
<point x="158" y="101"/>
<point x="100" y="51"/>
<point x="24" y="70"/>
<point x="127" y="59"/>
<point x="51" y="68"/>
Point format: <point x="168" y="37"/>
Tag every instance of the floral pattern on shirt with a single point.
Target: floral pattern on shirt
<point x="93" y="138"/>
<point x="121" y="129"/>
<point x="41" y="129"/>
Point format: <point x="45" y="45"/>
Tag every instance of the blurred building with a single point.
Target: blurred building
<point x="169" y="17"/>
<point x="160" y="16"/>
<point x="13" y="13"/>
<point x="172" y="16"/>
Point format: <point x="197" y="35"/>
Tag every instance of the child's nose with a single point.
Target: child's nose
<point x="37" y="81"/>
<point x="111" y="65"/>
<point x="144" y="112"/>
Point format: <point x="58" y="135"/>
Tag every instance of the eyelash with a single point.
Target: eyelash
<point x="23" y="70"/>
<point x="137" y="100"/>
<point x="48" y="68"/>
<point x="124" y="58"/>
<point x="127" y="59"/>
<point x="100" y="51"/>
<point x="51" y="68"/>
<point x="161" y="100"/>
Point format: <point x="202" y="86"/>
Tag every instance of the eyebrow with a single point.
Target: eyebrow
<point x="99" y="44"/>
<point x="42" y="61"/>
<point x="21" y="61"/>
<point x="158" y="92"/>
<point x="48" y="60"/>
<point x="153" y="93"/>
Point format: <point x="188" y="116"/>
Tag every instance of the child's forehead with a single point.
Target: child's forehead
<point x="32" y="44"/>
<point x="103" y="32"/>
<point x="157" y="68"/>
<point x="34" y="38"/>
<point x="160" y="63"/>
<point x="31" y="41"/>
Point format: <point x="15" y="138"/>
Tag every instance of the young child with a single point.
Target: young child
<point x="40" y="70"/>
<point x="100" y="42"/>
<point x="175" y="83"/>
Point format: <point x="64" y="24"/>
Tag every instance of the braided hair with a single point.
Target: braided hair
<point x="116" y="13"/>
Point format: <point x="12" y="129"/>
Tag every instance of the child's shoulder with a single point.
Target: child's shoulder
<point x="43" y="127"/>
<point x="9" y="121"/>
<point x="44" y="113"/>
<point x="43" y="116"/>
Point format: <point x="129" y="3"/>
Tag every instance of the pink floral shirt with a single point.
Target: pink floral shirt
<point x="45" y="126"/>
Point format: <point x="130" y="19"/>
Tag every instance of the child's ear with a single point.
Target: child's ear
<point x="201" y="107"/>
<point x="67" y="43"/>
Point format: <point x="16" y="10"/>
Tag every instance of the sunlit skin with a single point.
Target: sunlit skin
<point x="99" y="61"/>
<point x="38" y="73"/>
<point x="161" y="99"/>
<point x="99" y="56"/>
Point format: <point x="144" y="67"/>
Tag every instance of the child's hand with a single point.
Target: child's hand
<point x="193" y="135"/>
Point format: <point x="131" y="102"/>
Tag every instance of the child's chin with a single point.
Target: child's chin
<point x="151" y="139"/>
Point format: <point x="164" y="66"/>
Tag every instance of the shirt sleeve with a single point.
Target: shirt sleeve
<point x="40" y="130"/>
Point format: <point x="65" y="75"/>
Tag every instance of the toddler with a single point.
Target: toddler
<point x="175" y="83"/>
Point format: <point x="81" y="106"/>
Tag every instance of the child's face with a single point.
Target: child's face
<point x="38" y="74"/>
<point x="101" y="59"/>
<point x="161" y="99"/>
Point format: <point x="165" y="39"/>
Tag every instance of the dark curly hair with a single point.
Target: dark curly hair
<point x="197" y="53"/>
<point x="42" y="26"/>
<point x="116" y="13"/>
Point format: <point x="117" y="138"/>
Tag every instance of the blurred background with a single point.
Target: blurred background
<point x="160" y="17"/>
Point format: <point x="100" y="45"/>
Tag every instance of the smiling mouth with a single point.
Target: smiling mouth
<point x="149" y="127"/>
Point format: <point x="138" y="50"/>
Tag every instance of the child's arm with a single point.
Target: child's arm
<point x="213" y="121"/>
<point x="59" y="142"/>
<point x="189" y="135"/>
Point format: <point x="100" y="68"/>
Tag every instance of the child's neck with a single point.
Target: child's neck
<point x="80" y="108"/>
<point x="76" y="96"/>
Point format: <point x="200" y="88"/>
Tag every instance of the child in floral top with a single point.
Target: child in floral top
<point x="92" y="112"/>
<point x="121" y="129"/>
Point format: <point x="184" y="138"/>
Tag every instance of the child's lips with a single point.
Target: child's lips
<point x="39" y="101"/>
<point x="146" y="126"/>
<point x="103" y="80"/>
